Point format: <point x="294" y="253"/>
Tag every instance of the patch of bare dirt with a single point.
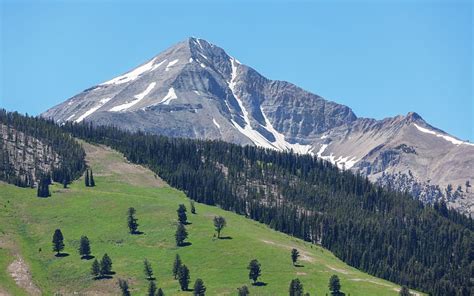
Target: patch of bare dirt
<point x="340" y="270"/>
<point x="304" y="256"/>
<point x="105" y="161"/>
<point x="20" y="273"/>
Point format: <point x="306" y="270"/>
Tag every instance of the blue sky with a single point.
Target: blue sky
<point x="381" y="58"/>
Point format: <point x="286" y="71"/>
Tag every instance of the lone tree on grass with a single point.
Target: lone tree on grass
<point x="58" y="242"/>
<point x="148" y="270"/>
<point x="181" y="235"/>
<point x="91" y="180"/>
<point x="219" y="224"/>
<point x="182" y="218"/>
<point x="43" y="186"/>
<point x="183" y="277"/>
<point x="404" y="291"/>
<point x="106" y="265"/>
<point x="152" y="288"/>
<point x="160" y="292"/>
<point x="124" y="287"/>
<point x="254" y="270"/>
<point x="334" y="285"/>
<point x="243" y="291"/>
<point x="199" y="288"/>
<point x="95" y="270"/>
<point x="86" y="179"/>
<point x="294" y="256"/>
<point x="296" y="288"/>
<point x="84" y="248"/>
<point x="176" y="265"/>
<point x="193" y="208"/>
<point x="132" y="221"/>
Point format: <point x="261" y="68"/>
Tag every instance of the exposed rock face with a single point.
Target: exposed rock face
<point x="195" y="90"/>
<point x="24" y="158"/>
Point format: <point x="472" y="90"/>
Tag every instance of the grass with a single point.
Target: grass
<point x="29" y="222"/>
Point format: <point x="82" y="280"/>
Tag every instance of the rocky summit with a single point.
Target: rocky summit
<point x="196" y="90"/>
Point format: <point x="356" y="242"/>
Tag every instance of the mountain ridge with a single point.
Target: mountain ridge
<point x="194" y="89"/>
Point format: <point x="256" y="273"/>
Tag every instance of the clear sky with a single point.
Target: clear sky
<point x="381" y="58"/>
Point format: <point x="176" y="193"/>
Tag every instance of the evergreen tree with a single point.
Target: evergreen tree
<point x="294" y="256"/>
<point x="84" y="247"/>
<point x="148" y="270"/>
<point x="152" y="288"/>
<point x="58" y="241"/>
<point x="243" y="291"/>
<point x="182" y="218"/>
<point x="334" y="285"/>
<point x="91" y="179"/>
<point x="132" y="221"/>
<point x="404" y="291"/>
<point x="86" y="179"/>
<point x="124" y="287"/>
<point x="183" y="277"/>
<point x="219" y="224"/>
<point x="176" y="265"/>
<point x="193" y="208"/>
<point x="199" y="288"/>
<point x="296" y="288"/>
<point x="181" y="235"/>
<point x="95" y="270"/>
<point x="106" y="265"/>
<point x="254" y="270"/>
<point x="160" y="292"/>
<point x="43" y="186"/>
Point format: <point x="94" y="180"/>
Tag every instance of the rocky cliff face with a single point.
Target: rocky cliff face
<point x="24" y="158"/>
<point x="196" y="90"/>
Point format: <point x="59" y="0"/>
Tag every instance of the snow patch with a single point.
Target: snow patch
<point x="92" y="110"/>
<point x="203" y="56"/>
<point x="171" y="64"/>
<point x="132" y="75"/>
<point x="191" y="60"/>
<point x="70" y="117"/>
<point x="203" y="66"/>
<point x="341" y="162"/>
<point x="137" y="97"/>
<point x="447" y="138"/>
<point x="171" y="95"/>
<point x="196" y="92"/>
<point x="215" y="123"/>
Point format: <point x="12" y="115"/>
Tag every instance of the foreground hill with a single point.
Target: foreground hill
<point x="196" y="90"/>
<point x="27" y="224"/>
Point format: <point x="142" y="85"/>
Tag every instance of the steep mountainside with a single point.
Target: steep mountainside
<point x="33" y="147"/>
<point x="195" y="90"/>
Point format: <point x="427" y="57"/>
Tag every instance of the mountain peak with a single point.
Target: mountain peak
<point x="413" y="117"/>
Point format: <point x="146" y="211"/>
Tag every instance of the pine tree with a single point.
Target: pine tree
<point x="296" y="288"/>
<point x="243" y="291"/>
<point x="84" y="248"/>
<point x="334" y="285"/>
<point x="43" y="186"/>
<point x="183" y="277"/>
<point x="148" y="270"/>
<point x="124" y="287"/>
<point x="86" y="179"/>
<point x="152" y="288"/>
<point x="58" y="241"/>
<point x="193" y="208"/>
<point x="199" y="288"/>
<point x="404" y="291"/>
<point x="254" y="270"/>
<point x="219" y="224"/>
<point x="95" y="270"/>
<point x="176" y="265"/>
<point x="91" y="179"/>
<point x="181" y="234"/>
<point x="132" y="221"/>
<point x="160" y="292"/>
<point x="294" y="256"/>
<point x="106" y="265"/>
<point x="182" y="218"/>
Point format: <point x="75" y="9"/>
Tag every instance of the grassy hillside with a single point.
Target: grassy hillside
<point x="27" y="224"/>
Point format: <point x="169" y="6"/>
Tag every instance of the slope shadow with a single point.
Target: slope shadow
<point x="61" y="255"/>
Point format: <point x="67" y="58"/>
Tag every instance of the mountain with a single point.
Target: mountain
<point x="196" y="90"/>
